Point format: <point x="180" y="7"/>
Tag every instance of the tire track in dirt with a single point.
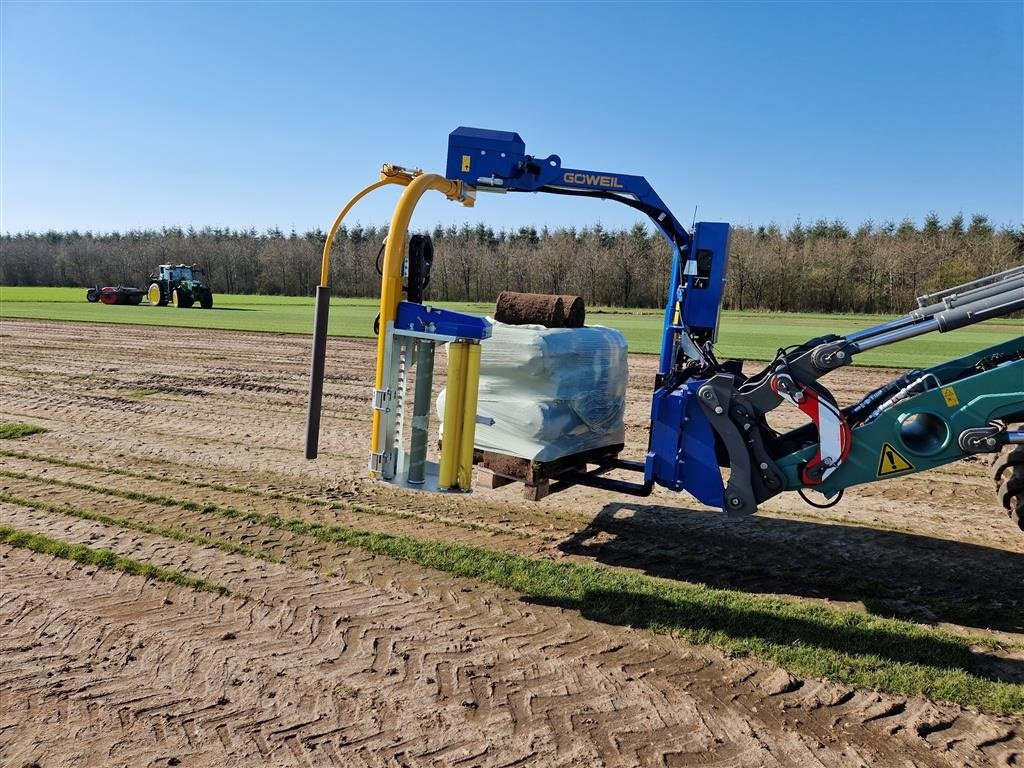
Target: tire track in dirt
<point x="46" y="470"/>
<point x="315" y="670"/>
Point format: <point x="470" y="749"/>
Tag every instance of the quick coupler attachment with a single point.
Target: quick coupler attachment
<point x="926" y="419"/>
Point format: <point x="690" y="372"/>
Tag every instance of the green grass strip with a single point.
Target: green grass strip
<point x="858" y="650"/>
<point x="851" y="648"/>
<point x="240" y="489"/>
<point x="12" y="430"/>
<point x="123" y="522"/>
<point x="960" y="612"/>
<point x="143" y="392"/>
<point x="103" y="558"/>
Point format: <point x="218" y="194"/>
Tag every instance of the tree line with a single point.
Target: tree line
<point x="822" y="267"/>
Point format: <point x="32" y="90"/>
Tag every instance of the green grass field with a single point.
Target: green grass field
<point x="747" y="335"/>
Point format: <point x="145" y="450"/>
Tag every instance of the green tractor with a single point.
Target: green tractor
<point x="179" y="285"/>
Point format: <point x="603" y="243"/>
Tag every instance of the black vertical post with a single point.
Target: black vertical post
<point x="316" y="371"/>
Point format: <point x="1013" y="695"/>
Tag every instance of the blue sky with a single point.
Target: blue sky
<point x="130" y="115"/>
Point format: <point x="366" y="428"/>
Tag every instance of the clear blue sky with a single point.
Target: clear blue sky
<point x="132" y="115"/>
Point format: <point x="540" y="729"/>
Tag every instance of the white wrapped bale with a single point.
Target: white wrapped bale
<point x="551" y="392"/>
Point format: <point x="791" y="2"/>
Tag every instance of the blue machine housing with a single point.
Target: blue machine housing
<point x="707" y="283"/>
<point x="475" y="153"/>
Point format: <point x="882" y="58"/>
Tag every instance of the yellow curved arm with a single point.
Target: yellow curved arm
<point x="325" y="262"/>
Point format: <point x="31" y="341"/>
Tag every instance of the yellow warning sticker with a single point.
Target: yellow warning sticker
<point x="465" y="163"/>
<point x="892" y="462"/>
<point x="949" y="395"/>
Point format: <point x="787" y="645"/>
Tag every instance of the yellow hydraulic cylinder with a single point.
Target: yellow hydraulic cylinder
<point x="469" y="398"/>
<point x="451" y="425"/>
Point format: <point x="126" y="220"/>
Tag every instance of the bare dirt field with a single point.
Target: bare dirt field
<point x="322" y="654"/>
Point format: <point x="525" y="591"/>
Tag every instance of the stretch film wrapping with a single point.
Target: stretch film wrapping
<point x="550" y="392"/>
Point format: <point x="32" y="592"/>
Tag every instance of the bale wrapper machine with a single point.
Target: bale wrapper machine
<point x="706" y="415"/>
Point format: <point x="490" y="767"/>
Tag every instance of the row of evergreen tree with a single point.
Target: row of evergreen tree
<point x="821" y="267"/>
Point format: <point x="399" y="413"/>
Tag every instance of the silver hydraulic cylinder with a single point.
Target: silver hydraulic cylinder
<point x="1006" y="302"/>
<point x="419" y="432"/>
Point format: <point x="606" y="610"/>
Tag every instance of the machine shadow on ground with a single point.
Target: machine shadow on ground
<point x="891" y="573"/>
<point x="647" y="611"/>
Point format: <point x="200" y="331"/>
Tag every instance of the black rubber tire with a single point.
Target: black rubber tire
<point x="181" y="300"/>
<point x="92" y="295"/>
<point x="206" y="300"/>
<point x="155" y="290"/>
<point x="1008" y="474"/>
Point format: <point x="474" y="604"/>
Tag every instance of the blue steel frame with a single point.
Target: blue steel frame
<point x="423" y="319"/>
<point x="497" y="161"/>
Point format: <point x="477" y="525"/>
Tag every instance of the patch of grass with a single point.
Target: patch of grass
<point x="143" y="392"/>
<point x="240" y="489"/>
<point x="958" y="611"/>
<point x="103" y="558"/>
<point x="12" y="430"/>
<point x="851" y="648"/>
<point x="746" y="335"/>
<point x="123" y="522"/>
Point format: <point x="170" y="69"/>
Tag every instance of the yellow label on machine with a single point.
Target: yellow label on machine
<point x="892" y="462"/>
<point x="949" y="395"/>
<point x="465" y="163"/>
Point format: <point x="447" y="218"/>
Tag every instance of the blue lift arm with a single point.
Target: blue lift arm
<point x="496" y="161"/>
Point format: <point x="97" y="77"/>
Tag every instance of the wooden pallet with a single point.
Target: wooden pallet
<point x="498" y="469"/>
